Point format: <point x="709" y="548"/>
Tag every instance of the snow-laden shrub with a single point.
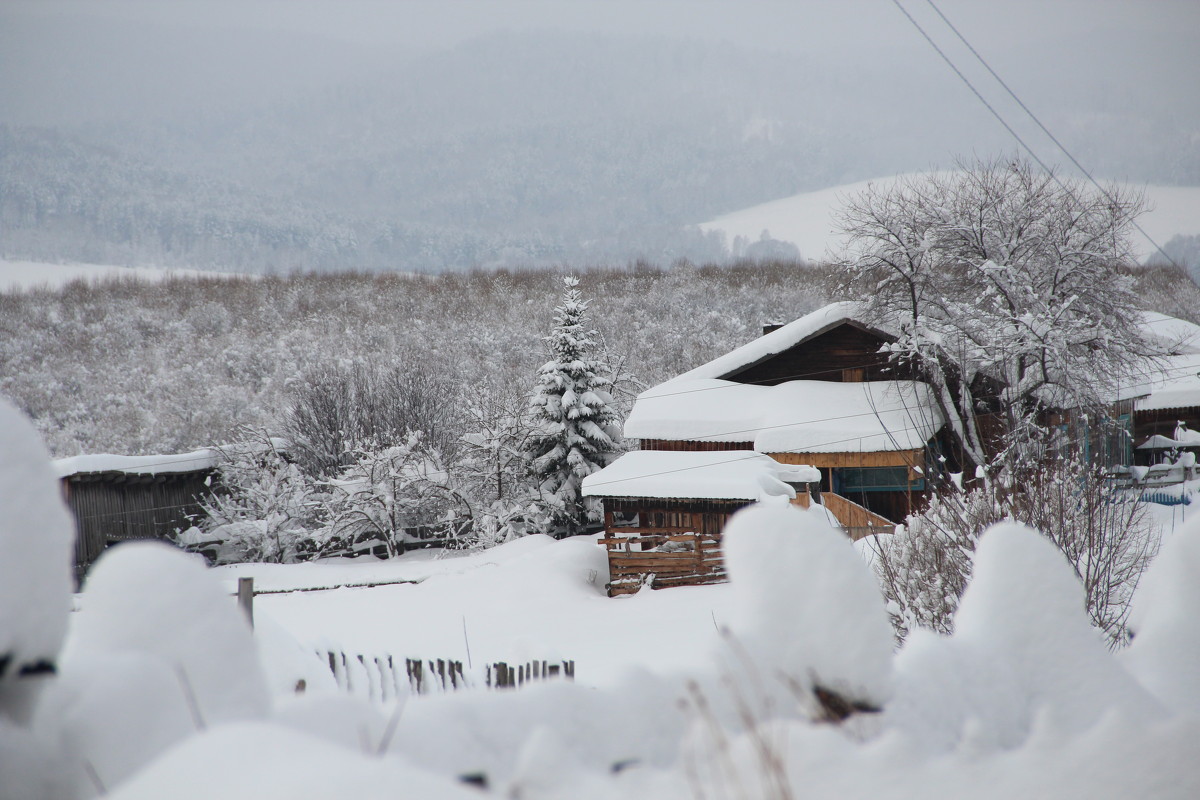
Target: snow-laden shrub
<point x="263" y="509"/>
<point x="387" y="494"/>
<point x="1104" y="533"/>
<point x="923" y="568"/>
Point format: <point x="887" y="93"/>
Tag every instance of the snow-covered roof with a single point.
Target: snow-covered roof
<point x="726" y="474"/>
<point x="205" y="458"/>
<point x="1173" y="383"/>
<point x="1175" y="336"/>
<point x="778" y="341"/>
<point x="796" y="417"/>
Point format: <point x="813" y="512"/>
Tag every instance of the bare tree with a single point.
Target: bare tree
<point x="338" y="411"/>
<point x="1002" y="277"/>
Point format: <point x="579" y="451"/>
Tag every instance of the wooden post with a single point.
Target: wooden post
<point x="246" y="598"/>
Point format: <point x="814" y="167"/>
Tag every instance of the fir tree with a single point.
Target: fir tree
<point x="577" y="429"/>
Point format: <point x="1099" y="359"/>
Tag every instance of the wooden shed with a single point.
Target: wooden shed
<point x="664" y="512"/>
<point x="119" y="498"/>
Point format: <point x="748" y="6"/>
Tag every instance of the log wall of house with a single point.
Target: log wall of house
<point x="112" y="507"/>
<point x="690" y="446"/>
<point x="844" y="353"/>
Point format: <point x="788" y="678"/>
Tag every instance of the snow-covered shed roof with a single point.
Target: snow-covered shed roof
<point x="796" y="417"/>
<point x="785" y="338"/>
<point x="726" y="475"/>
<point x="1175" y="336"/>
<point x="205" y="458"/>
<point x="1172" y="383"/>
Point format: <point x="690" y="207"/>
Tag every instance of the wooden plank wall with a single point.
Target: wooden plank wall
<point x="111" y="507"/>
<point x="845" y="353"/>
<point x="692" y="446"/>
<point x="676" y="540"/>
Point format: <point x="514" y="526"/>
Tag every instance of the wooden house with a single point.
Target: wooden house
<point x="1163" y="409"/>
<point x="119" y="498"/>
<point x="816" y="393"/>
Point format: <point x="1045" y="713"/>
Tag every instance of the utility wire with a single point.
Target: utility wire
<point x="1009" y="128"/>
<point x="1045" y="130"/>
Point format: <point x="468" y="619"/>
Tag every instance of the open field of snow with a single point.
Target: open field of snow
<point x="20" y="275"/>
<point x="806" y="220"/>
<point x="534" y="598"/>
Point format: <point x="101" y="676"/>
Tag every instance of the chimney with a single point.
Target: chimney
<point x="771" y="327"/>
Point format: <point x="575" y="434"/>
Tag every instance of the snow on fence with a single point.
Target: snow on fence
<point x="382" y="678"/>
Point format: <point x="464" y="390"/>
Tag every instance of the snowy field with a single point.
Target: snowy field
<point x="806" y="220"/>
<point x="23" y="275"/>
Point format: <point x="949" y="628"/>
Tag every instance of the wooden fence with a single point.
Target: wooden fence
<point x="676" y="558"/>
<point x="385" y="678"/>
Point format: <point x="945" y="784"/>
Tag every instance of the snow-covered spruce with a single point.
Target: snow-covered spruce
<point x="577" y="428"/>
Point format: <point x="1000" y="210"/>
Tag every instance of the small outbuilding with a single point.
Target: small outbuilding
<point x="119" y="498"/>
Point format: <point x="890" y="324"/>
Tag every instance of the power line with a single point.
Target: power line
<point x="1045" y="130"/>
<point x="974" y="91"/>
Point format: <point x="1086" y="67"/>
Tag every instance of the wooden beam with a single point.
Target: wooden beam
<point x="896" y="458"/>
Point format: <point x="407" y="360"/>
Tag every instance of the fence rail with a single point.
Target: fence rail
<point x="386" y="678"/>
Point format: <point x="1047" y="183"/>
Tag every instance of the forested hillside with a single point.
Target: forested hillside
<point x="506" y="150"/>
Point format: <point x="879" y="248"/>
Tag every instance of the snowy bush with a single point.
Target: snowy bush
<point x="337" y="411"/>
<point x="263" y="507"/>
<point x="386" y="493"/>
<point x="1104" y="533"/>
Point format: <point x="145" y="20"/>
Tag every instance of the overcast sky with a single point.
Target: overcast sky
<point x="62" y="62"/>
<point x="819" y="25"/>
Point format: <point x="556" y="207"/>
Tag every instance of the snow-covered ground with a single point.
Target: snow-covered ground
<point x="806" y="220"/>
<point x="534" y="598"/>
<point x="160" y="689"/>
<point x="19" y="275"/>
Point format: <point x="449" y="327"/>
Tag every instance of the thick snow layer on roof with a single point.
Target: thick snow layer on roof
<point x="205" y="458"/>
<point x="1174" y="335"/>
<point x="727" y="474"/>
<point x="797" y="417"/>
<point x="777" y="341"/>
<point x="1175" y="383"/>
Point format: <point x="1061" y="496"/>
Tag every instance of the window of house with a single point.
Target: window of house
<point x="877" y="479"/>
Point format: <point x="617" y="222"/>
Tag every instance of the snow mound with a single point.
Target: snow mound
<point x="36" y="541"/>
<point x="257" y="760"/>
<point x="1023" y="655"/>
<point x="1165" y="653"/>
<point x="149" y="598"/>
<point x="806" y="606"/>
<point x="158" y="652"/>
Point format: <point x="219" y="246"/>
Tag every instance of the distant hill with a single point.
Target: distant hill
<point x="511" y="149"/>
<point x="806" y="220"/>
